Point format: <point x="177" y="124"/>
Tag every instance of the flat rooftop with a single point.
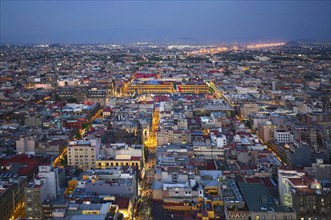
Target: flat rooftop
<point x="259" y="199"/>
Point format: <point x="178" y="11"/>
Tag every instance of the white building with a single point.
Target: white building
<point x="44" y="185"/>
<point x="283" y="136"/>
<point x="51" y="177"/>
<point x="122" y="149"/>
<point x="218" y="140"/>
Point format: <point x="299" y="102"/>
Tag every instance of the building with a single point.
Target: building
<point x="289" y="180"/>
<point x="106" y="112"/>
<point x="261" y="205"/>
<point x="36" y="194"/>
<point x="45" y="185"/>
<point x="11" y="195"/>
<point x="266" y="131"/>
<point x="320" y="170"/>
<point x="293" y="154"/>
<point x="98" y="95"/>
<point x="119" y="160"/>
<point x="165" y="85"/>
<point x="118" y="185"/>
<point x="311" y="203"/>
<point x="26" y="145"/>
<point x="234" y="204"/>
<point x="54" y="208"/>
<point x="283" y="136"/>
<point x="96" y="211"/>
<point x="84" y="153"/>
<point x="67" y="82"/>
<point x="247" y="108"/>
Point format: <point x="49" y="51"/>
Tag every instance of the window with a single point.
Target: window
<point x="257" y="217"/>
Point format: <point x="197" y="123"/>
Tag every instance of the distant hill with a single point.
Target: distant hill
<point x="292" y="44"/>
<point x="54" y="45"/>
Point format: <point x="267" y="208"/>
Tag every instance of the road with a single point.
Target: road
<point x="57" y="161"/>
<point x="143" y="208"/>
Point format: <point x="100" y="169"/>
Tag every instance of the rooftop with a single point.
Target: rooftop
<point x="259" y="199"/>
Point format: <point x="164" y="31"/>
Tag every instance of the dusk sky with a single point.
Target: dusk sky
<point x="163" y="21"/>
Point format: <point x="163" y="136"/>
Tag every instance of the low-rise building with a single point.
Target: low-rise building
<point x="84" y="153"/>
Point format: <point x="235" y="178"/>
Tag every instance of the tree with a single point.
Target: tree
<point x="85" y="126"/>
<point x="72" y="100"/>
<point x="64" y="160"/>
<point x="248" y="124"/>
<point x="78" y="136"/>
<point x="57" y="97"/>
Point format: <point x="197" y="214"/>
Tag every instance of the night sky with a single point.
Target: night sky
<point x="164" y="21"/>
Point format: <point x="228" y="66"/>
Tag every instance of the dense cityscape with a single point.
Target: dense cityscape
<point x="155" y="131"/>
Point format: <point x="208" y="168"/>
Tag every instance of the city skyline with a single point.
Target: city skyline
<point x="160" y="21"/>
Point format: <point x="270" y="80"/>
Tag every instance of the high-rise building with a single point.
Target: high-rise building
<point x="44" y="185"/>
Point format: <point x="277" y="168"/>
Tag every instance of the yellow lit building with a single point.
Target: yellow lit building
<point x="166" y="87"/>
<point x="120" y="160"/>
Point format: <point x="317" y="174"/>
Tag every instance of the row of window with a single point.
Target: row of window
<point x="262" y="217"/>
<point x="80" y="149"/>
<point x="119" y="164"/>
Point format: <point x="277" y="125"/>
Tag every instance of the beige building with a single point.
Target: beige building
<point x="173" y="137"/>
<point x="83" y="153"/>
<point x="26" y="145"/>
<point x="266" y="131"/>
<point x="247" y="108"/>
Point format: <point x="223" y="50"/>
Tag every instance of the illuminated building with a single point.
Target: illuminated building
<point x="120" y="160"/>
<point x="299" y="190"/>
<point x="165" y="86"/>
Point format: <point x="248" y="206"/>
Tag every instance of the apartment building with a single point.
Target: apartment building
<point x="45" y="185"/>
<point x="266" y="131"/>
<point x="283" y="136"/>
<point x="84" y="153"/>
